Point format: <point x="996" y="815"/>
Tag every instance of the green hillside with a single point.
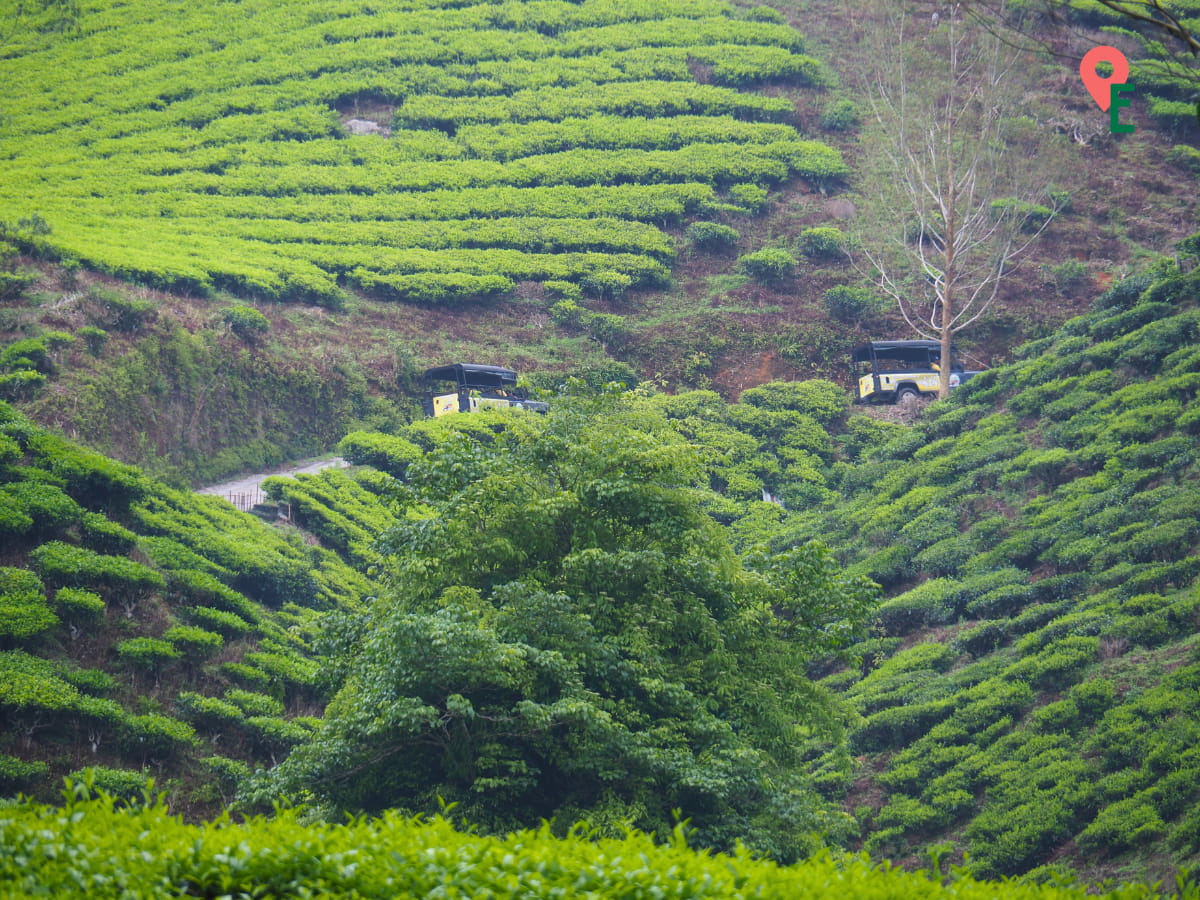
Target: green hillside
<point x="221" y="146"/>
<point x="148" y="632"/>
<point x="609" y="190"/>
<point x="1030" y="697"/>
<point x="573" y="616"/>
<point x="704" y="602"/>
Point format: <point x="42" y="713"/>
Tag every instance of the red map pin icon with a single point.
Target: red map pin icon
<point x="1098" y="86"/>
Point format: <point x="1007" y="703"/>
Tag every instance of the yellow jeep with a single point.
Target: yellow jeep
<point x="896" y="371"/>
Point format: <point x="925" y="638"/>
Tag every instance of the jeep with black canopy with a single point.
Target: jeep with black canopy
<point x="475" y="387"/>
<point x="894" y="371"/>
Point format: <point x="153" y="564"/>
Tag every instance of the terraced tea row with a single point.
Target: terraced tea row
<point x="138" y="160"/>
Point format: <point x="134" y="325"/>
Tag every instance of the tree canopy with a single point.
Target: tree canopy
<point x="565" y="635"/>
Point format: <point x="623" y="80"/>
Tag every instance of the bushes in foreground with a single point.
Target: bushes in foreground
<point x="89" y="847"/>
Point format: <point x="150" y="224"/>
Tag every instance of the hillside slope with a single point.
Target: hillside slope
<point x="595" y="176"/>
<point x="146" y="631"/>
<point x="431" y="151"/>
<point x="1031" y="697"/>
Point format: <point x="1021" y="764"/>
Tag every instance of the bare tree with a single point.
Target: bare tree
<point x="958" y="200"/>
<point x="1164" y="36"/>
<point x="1149" y="16"/>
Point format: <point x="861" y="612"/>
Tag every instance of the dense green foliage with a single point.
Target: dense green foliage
<point x="597" y="616"/>
<point x="431" y="151"/>
<point x="127" y="603"/>
<point x="84" y="848"/>
<point x="1037" y="534"/>
<point x="565" y="635"/>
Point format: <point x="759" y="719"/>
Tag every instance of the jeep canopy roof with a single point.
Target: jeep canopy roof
<point x="909" y="351"/>
<point x="471" y="375"/>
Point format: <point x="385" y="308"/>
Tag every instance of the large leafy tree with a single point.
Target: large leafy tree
<point x="566" y="635"/>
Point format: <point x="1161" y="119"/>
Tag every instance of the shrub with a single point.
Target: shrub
<point x="1031" y="215"/>
<point x="983" y="638"/>
<point x="207" y="712"/>
<point x="712" y="236"/>
<point x="898" y="725"/>
<point x="246" y="674"/>
<point x="276" y="734"/>
<point x="205" y="588"/>
<point x="565" y="290"/>
<point x="1094" y="698"/>
<point x="123" y="784"/>
<point x="121" y="313"/>
<point x="23" y="609"/>
<point x="609" y="285"/>
<point x="73" y="602"/>
<point x="157" y="736"/>
<point x="70" y="566"/>
<point x="193" y="642"/>
<point x="1068" y="275"/>
<point x="105" y="536"/>
<point x="17" y="775"/>
<point x="1122" y="826"/>
<point x="95" y="481"/>
<point x="750" y="196"/>
<point x="933" y="602"/>
<point x="1059" y="663"/>
<point x="52" y="511"/>
<point x="246" y="322"/>
<point x="254" y="704"/>
<point x="823" y="400"/>
<point x="382" y="451"/>
<point x="292" y="669"/>
<point x="841" y="115"/>
<point x="568" y="312"/>
<point x="94" y="338"/>
<point x="824" y="242"/>
<point x="219" y="620"/>
<point x="851" y="304"/>
<point x="1062" y="715"/>
<point x="605" y="328"/>
<point x="768" y="266"/>
<point x="147" y="653"/>
<point x="946" y="556"/>
<point x="999" y="602"/>
<point x="230" y="773"/>
<point x="14" y="284"/>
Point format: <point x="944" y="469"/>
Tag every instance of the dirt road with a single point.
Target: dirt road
<point x="246" y="491"/>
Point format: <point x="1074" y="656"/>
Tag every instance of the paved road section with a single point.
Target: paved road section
<point x="245" y="492"/>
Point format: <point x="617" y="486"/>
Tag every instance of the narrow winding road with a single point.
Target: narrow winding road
<point x="246" y="491"/>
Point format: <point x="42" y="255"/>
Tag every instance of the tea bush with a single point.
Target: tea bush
<point x="48" y="850"/>
<point x="712" y="236"/>
<point x="69" y="566"/>
<point x="768" y="266"/>
<point x="840" y="115"/>
<point x="851" y="304"/>
<point x="824" y="242"/>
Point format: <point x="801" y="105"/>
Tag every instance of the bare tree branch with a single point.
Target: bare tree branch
<point x="940" y="104"/>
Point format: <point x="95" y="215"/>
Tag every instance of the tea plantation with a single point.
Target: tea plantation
<point x="429" y="151"/>
<point x="146" y="631"/>
<point x="1030" y="694"/>
<point x="593" y="617"/>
